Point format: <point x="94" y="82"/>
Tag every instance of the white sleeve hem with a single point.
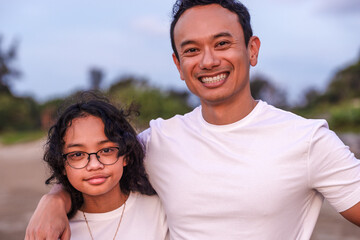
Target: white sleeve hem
<point x="348" y="202"/>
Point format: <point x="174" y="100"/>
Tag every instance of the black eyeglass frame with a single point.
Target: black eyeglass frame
<point x="88" y="158"/>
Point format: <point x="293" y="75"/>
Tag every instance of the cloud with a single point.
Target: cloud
<point x="152" y="25"/>
<point x="328" y="6"/>
<point x="341" y="7"/>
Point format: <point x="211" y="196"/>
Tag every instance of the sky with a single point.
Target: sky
<point x="303" y="43"/>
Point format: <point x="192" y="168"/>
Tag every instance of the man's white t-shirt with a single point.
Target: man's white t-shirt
<point x="263" y="177"/>
<point x="143" y="218"/>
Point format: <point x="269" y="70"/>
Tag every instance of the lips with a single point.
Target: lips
<point x="96" y="180"/>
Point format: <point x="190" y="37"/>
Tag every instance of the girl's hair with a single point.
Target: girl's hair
<point x="116" y="128"/>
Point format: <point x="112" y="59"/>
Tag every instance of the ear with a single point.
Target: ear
<point x="124" y="161"/>
<point x="177" y="63"/>
<point x="253" y="49"/>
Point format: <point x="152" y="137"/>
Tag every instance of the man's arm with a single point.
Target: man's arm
<point x="353" y="214"/>
<point x="49" y="221"/>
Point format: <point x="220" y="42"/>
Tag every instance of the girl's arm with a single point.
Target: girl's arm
<point x="49" y="220"/>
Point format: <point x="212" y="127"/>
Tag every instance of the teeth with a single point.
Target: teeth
<point x="214" y="79"/>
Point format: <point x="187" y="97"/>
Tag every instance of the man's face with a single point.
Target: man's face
<point x="213" y="58"/>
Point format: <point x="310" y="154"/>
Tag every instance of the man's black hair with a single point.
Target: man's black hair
<point x="234" y="6"/>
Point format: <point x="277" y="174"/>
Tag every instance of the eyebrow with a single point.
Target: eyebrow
<point x="222" y="34"/>
<point x="71" y="145"/>
<point x="187" y="42"/>
<point x="74" y="145"/>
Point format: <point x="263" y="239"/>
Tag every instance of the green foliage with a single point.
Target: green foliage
<point x="264" y="89"/>
<point x="7" y="70"/>
<point x="339" y="104"/>
<point x="345" y="117"/>
<point x="12" y="137"/>
<point x="345" y="85"/>
<point x="15" y="113"/>
<point x="48" y="112"/>
<point x="52" y="104"/>
<point x="24" y="114"/>
<point x="18" y="113"/>
<point x="152" y="102"/>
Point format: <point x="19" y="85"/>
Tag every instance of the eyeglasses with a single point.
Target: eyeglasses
<point x="79" y="159"/>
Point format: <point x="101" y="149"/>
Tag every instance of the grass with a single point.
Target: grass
<point x="13" y="137"/>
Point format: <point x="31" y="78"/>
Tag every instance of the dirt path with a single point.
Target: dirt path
<point x="22" y="176"/>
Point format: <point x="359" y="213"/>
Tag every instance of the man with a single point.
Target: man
<point x="234" y="168"/>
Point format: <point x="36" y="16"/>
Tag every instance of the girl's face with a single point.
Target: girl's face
<point x="96" y="180"/>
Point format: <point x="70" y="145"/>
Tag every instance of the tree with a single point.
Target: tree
<point x="18" y="113"/>
<point x="345" y="84"/>
<point x="152" y="102"/>
<point x="7" y="70"/>
<point x="311" y="97"/>
<point x="262" y="88"/>
<point x="96" y="78"/>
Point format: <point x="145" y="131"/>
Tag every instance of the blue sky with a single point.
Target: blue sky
<point x="303" y="42"/>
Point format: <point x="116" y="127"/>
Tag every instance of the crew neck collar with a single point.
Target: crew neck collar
<point x="236" y="124"/>
<point x="107" y="215"/>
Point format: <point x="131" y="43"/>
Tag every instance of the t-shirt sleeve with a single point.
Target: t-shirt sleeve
<point x="144" y="137"/>
<point x="333" y="169"/>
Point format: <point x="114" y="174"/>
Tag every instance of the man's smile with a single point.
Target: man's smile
<point x="217" y="78"/>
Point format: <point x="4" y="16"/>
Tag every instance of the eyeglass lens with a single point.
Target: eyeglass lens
<point x="79" y="159"/>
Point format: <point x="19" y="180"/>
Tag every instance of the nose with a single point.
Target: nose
<point x="209" y="59"/>
<point x="94" y="163"/>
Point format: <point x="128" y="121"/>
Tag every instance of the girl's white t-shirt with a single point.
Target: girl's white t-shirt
<point x="143" y="218"/>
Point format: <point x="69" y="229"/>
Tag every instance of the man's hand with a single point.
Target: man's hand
<point x="49" y="221"/>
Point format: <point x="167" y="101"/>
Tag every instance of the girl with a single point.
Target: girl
<point x="93" y="152"/>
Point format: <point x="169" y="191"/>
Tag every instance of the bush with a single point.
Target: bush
<point x="345" y="119"/>
<point x="18" y="113"/>
<point x="152" y="102"/>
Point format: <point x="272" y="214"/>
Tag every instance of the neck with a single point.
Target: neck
<point x="103" y="203"/>
<point x="222" y="114"/>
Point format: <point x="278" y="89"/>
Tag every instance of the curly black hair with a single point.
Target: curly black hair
<point x="234" y="6"/>
<point x="117" y="129"/>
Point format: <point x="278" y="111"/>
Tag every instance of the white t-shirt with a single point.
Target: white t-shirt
<point x="263" y="177"/>
<point x="143" y="218"/>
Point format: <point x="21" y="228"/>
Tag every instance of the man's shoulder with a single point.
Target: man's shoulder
<point x="169" y="126"/>
<point x="273" y="115"/>
<point x="175" y="120"/>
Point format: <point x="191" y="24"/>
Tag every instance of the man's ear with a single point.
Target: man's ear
<point x="177" y="64"/>
<point x="253" y="48"/>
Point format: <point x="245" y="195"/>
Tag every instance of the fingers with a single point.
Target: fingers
<point x="66" y="234"/>
<point x="40" y="233"/>
<point x="49" y="221"/>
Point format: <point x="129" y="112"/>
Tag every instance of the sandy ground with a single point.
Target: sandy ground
<point x="22" y="176"/>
